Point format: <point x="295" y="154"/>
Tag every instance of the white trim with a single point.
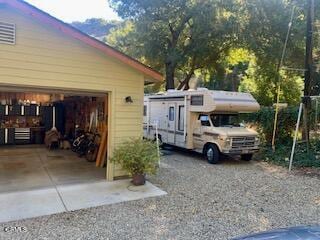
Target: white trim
<point x="54" y="90"/>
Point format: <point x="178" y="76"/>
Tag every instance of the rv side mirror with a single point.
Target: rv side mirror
<point x="204" y="118"/>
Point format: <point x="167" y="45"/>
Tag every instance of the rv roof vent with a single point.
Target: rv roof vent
<point x="202" y="89"/>
<point x="7" y="33"/>
<point x="173" y="91"/>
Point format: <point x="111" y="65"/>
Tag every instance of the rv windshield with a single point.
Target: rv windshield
<point x="225" y="120"/>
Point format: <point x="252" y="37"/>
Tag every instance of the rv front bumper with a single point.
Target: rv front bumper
<point x="240" y="151"/>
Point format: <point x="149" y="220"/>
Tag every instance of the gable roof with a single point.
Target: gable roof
<point x="67" y="29"/>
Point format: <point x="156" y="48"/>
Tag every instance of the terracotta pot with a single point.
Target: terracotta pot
<point x="138" y="179"/>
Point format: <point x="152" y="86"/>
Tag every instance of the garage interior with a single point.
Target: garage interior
<point x="51" y="139"/>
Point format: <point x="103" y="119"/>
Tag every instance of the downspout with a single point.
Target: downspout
<point x="185" y="119"/>
<point x="148" y="117"/>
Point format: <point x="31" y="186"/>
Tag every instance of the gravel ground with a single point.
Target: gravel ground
<point x="203" y="202"/>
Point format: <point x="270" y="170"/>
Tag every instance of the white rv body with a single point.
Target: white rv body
<point x="186" y="119"/>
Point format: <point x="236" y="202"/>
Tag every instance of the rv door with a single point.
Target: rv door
<point x="202" y="123"/>
<point x="171" y="123"/>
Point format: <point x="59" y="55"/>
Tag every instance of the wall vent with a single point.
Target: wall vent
<point x="7" y="33"/>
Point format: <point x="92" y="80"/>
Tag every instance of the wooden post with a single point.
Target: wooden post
<point x="104" y="137"/>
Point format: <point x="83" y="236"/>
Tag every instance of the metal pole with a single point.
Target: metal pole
<point x="295" y="137"/>
<point x="276" y="119"/>
<point x="316" y="117"/>
<point x="158" y="147"/>
<point x="54" y="117"/>
<point x="279" y="78"/>
<point x="185" y="119"/>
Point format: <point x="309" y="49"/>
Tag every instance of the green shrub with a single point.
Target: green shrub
<point x="302" y="158"/>
<point x="264" y="120"/>
<point x="137" y="156"/>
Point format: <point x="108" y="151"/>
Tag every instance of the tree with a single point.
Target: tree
<point x="186" y="38"/>
<point x="180" y="35"/>
<point x="266" y="28"/>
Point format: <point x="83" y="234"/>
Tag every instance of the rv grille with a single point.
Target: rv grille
<point x="242" y="142"/>
<point x="7" y="33"/>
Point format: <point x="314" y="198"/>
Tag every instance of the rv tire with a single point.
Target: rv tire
<point x="212" y="154"/>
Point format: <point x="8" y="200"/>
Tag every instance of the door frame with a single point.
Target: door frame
<point x="108" y="93"/>
<point x="173" y="122"/>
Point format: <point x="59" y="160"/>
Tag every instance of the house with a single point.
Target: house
<point x="45" y="63"/>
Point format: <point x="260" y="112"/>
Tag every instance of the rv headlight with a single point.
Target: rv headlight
<point x="227" y="142"/>
<point x="257" y="140"/>
<point x="223" y="138"/>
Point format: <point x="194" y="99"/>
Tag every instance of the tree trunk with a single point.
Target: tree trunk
<point x="170" y="75"/>
<point x="306" y="127"/>
<point x="309" y="69"/>
<point x="235" y="79"/>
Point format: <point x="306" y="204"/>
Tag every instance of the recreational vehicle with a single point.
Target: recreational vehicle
<point x="202" y="120"/>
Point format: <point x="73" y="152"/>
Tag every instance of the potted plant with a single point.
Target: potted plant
<point x="137" y="156"/>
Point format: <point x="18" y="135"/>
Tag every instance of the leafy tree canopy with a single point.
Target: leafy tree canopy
<point x="179" y="35"/>
<point x="229" y="45"/>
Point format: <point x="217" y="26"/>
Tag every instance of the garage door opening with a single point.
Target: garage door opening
<point x="52" y="138"/>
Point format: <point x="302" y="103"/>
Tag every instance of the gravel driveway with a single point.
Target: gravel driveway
<point x="203" y="202"/>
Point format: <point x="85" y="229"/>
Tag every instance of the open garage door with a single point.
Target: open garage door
<point x="51" y="137"/>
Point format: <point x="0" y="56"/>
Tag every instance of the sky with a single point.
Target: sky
<point x="75" y="10"/>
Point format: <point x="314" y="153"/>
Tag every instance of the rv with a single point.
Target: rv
<point x="202" y="120"/>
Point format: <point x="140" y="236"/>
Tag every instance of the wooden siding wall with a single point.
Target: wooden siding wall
<point x="44" y="57"/>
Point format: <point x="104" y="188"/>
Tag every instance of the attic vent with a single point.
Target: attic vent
<point x="7" y="33"/>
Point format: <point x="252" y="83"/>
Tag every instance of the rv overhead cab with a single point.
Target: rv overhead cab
<point x="202" y="120"/>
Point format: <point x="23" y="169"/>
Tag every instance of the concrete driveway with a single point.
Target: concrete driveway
<point x="26" y="167"/>
<point x="36" y="182"/>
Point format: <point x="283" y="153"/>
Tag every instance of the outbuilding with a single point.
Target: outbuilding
<point x="46" y="63"/>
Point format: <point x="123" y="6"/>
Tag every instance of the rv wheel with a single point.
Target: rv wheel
<point x="212" y="154"/>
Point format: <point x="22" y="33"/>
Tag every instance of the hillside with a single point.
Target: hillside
<point x="96" y="27"/>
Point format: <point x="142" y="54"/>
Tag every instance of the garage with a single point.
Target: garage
<point x="67" y="101"/>
<point x="54" y="77"/>
<point x="51" y="138"/>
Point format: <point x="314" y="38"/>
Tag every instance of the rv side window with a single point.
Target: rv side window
<point x="204" y="119"/>
<point x="171" y="114"/>
<point x="144" y="110"/>
<point x="181" y="118"/>
<point x="197" y="100"/>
